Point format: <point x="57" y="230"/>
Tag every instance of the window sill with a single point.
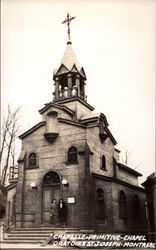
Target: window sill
<point x="72" y="163"/>
<point x="104" y="169"/>
<point x="33" y="167"/>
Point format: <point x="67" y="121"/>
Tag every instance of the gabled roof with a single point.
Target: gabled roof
<point x="40" y="124"/>
<point x="92" y="116"/>
<point x="62" y="70"/>
<point x="83" y="72"/>
<point x="150" y="181"/>
<point x="31" y="130"/>
<point x="130" y="170"/>
<point x="74" y="68"/>
<point x="122" y="182"/>
<point x="117" y="150"/>
<point x="71" y="122"/>
<point x="62" y="107"/>
<point x="111" y="136"/>
<point x="73" y="99"/>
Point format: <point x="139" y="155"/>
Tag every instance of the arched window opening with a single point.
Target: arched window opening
<point x="136" y="207"/>
<point x="14" y="207"/>
<point x="32" y="160"/>
<point x="103" y="162"/>
<point x="100" y="203"/>
<point x="51" y="178"/>
<point x="122" y="206"/>
<point x="72" y="155"/>
<point x="73" y="80"/>
<point x="63" y="81"/>
<point x="82" y="87"/>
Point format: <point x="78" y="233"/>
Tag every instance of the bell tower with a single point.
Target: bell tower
<point x="69" y="78"/>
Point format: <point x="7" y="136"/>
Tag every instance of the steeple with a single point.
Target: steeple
<point x="70" y="76"/>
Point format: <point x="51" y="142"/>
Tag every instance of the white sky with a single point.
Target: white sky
<point x="114" y="42"/>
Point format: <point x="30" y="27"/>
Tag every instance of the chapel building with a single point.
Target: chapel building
<point x="71" y="155"/>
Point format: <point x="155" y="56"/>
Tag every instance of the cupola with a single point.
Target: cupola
<point x="69" y="78"/>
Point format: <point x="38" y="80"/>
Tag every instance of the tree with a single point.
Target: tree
<point x="10" y="130"/>
<point x="125" y="158"/>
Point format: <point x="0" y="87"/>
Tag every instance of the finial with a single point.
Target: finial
<point x="67" y="21"/>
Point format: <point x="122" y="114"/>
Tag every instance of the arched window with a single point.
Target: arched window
<point x="122" y="206"/>
<point x="103" y="162"/>
<point x="72" y="155"/>
<point x="136" y="207"/>
<point x="32" y="160"/>
<point x="100" y="211"/>
<point x="14" y="207"/>
<point x="51" y="178"/>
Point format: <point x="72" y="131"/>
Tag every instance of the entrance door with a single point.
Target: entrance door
<point x="51" y="190"/>
<point x="48" y="195"/>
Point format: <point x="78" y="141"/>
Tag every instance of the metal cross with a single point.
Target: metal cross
<point x="67" y="21"/>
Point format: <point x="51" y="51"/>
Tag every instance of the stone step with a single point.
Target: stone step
<point x="17" y="241"/>
<point x="23" y="238"/>
<point x="37" y="235"/>
<point x="49" y="228"/>
<point x="29" y="232"/>
<point x="27" y="235"/>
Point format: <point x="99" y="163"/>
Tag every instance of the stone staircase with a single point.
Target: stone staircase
<point x="38" y="235"/>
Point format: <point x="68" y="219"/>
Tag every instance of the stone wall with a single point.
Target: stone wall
<point x="53" y="156"/>
<point x="79" y="108"/>
<point x="9" y="206"/>
<point x="112" y="222"/>
<point x="107" y="148"/>
<point x="131" y="224"/>
<point x="81" y="184"/>
<point x="98" y="149"/>
<point x="125" y="175"/>
<point x="61" y="113"/>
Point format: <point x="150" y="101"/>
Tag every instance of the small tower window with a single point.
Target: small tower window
<point x="103" y="162"/>
<point x="100" y="213"/>
<point x="32" y="160"/>
<point x="72" y="155"/>
<point x="122" y="206"/>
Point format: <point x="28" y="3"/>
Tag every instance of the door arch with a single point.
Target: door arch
<point x="51" y="189"/>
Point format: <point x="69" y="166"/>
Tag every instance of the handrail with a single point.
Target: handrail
<point x="7" y="222"/>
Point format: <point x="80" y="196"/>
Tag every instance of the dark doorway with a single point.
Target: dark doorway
<point x="51" y="190"/>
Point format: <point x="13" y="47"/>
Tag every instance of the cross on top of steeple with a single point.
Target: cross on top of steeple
<point x="67" y="21"/>
<point x="70" y="76"/>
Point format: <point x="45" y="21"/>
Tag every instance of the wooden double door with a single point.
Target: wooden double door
<point x="49" y="193"/>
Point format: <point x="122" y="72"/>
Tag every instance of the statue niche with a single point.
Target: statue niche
<point x="51" y="126"/>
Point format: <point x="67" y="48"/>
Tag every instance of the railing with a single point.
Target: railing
<point x="5" y="225"/>
<point x="7" y="222"/>
<point x="63" y="94"/>
<point x="13" y="174"/>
